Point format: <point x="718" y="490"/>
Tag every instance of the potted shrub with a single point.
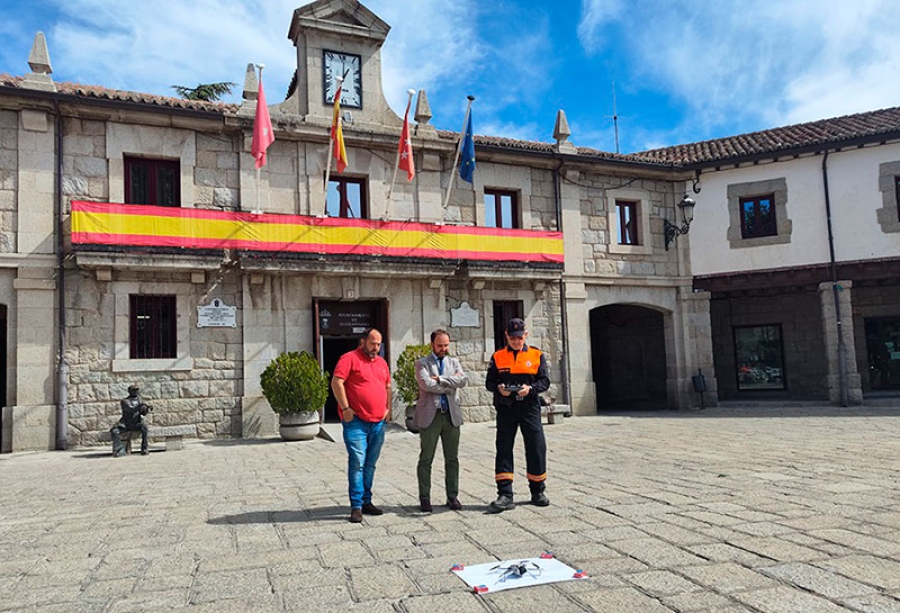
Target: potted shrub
<point x="296" y="388"/>
<point x="405" y="377"/>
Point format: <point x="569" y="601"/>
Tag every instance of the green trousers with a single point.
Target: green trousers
<point x="441" y="428"/>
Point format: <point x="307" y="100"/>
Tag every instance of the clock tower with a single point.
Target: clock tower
<point x="339" y="38"/>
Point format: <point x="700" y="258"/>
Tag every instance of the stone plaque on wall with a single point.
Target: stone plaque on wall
<point x="216" y="314"/>
<point x="464" y="317"/>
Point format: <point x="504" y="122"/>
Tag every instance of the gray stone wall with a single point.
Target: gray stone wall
<point x="85" y="171"/>
<point x="474" y="346"/>
<point x="217" y="175"/>
<point x="9" y="144"/>
<point x="207" y="395"/>
<point x="800" y="317"/>
<point x="597" y="235"/>
<point x="543" y="200"/>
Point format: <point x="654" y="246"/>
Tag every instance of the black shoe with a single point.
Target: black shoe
<point x="144" y="452"/>
<point x="120" y="454"/>
<point x="454" y="503"/>
<point x="371" y="509"/>
<point x="540" y="500"/>
<point x="503" y="503"/>
<point x="425" y="505"/>
<point x="355" y="516"/>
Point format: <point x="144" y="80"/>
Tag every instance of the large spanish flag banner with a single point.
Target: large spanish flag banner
<point x="125" y="225"/>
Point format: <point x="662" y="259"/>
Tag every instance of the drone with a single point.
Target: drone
<point x="517" y="570"/>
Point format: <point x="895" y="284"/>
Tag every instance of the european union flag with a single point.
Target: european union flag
<point x="467" y="161"/>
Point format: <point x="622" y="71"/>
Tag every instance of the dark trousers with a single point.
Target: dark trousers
<point x="526" y="416"/>
<point x="116" y="433"/>
<point x="440" y="428"/>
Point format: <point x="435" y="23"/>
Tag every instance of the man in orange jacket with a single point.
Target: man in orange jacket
<point x="517" y="375"/>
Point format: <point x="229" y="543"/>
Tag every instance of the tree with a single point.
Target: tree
<point x="210" y="92"/>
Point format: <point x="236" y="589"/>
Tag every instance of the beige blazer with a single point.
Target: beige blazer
<point x="430" y="390"/>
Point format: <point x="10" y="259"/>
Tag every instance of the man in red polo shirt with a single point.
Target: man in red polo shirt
<point x="362" y="388"/>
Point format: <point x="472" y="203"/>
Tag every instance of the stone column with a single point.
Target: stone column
<point x="698" y="352"/>
<point x="582" y="393"/>
<point x="841" y="360"/>
<point x="34" y="359"/>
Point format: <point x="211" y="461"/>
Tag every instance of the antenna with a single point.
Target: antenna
<point x="615" y="116"/>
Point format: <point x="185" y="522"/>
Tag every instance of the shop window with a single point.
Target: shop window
<point x="346" y="197"/>
<point x="758" y="217"/>
<point x="627" y="226"/>
<point x="504" y="310"/>
<point x="759" y="357"/>
<point x="152" y="181"/>
<point x="883" y="348"/>
<point x="501" y="208"/>
<point x="153" y="327"/>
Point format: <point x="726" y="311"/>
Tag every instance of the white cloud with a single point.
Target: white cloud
<point x="755" y="64"/>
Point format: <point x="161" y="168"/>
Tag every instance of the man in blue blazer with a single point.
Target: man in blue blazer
<point x="439" y="416"/>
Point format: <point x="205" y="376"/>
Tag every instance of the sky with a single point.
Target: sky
<point x="673" y="72"/>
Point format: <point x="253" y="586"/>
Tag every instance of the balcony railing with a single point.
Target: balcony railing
<point x="126" y="225"/>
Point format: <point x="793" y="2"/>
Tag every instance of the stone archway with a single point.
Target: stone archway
<point x="628" y="349"/>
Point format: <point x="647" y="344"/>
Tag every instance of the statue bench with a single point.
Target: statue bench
<point x="174" y="435"/>
<point x="556" y="411"/>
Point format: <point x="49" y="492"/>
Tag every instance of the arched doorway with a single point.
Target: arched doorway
<point x="628" y="350"/>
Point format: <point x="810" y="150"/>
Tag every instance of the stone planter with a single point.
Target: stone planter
<point x="298" y="426"/>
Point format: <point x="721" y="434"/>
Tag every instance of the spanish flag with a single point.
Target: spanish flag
<point x="337" y="134"/>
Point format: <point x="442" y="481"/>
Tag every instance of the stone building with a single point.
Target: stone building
<point x="798" y="246"/>
<point x="138" y="244"/>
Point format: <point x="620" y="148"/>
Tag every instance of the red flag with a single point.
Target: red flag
<point x="405" y="161"/>
<point x="262" y="128"/>
<point x="337" y="134"/>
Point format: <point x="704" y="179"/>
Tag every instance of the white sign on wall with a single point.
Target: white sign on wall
<point x="216" y="314"/>
<point x="464" y="317"/>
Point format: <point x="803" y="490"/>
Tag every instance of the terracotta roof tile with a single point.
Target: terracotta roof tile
<point x="831" y="132"/>
<point x="786" y="139"/>
<point x="542" y="147"/>
<point x="106" y="93"/>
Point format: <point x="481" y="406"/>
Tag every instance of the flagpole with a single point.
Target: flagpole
<point x="458" y="147"/>
<point x="258" y="210"/>
<point x="340" y="81"/>
<point x="411" y="93"/>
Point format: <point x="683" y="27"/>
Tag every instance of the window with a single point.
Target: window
<point x="627" y="216"/>
<point x="897" y="191"/>
<point x="153" y="327"/>
<point x="501" y="209"/>
<point x="759" y="357"/>
<point x="150" y="181"/>
<point x="346" y="198"/>
<point x="504" y="310"/>
<point x="758" y="217"/>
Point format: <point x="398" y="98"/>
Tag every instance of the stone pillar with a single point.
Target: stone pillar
<point x="698" y="351"/>
<point x="33" y="416"/>
<point x="841" y="360"/>
<point x="262" y="325"/>
<point x="582" y="392"/>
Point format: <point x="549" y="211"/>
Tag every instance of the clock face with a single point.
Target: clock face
<point x="346" y="65"/>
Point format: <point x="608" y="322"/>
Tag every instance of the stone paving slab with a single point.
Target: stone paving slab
<point x="728" y="510"/>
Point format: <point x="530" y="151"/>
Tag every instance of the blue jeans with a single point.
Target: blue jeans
<point x="363" y="440"/>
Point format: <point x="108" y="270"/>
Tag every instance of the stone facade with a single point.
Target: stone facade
<point x="211" y="380"/>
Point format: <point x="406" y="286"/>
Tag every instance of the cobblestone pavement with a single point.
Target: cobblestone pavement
<point x="790" y="509"/>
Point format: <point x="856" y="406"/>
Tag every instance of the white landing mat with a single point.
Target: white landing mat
<point x="505" y="575"/>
